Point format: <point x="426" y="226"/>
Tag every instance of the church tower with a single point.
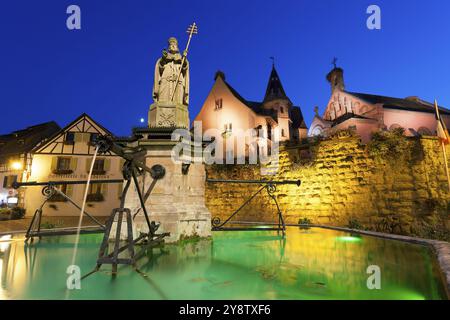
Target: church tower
<point x="277" y="103"/>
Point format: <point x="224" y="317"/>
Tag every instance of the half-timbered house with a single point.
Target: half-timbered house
<point x="68" y="156"/>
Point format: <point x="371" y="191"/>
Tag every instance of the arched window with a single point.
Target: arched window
<point x="395" y="126"/>
<point x="364" y="109"/>
<point x="424" y="131"/>
<point x="317" y="131"/>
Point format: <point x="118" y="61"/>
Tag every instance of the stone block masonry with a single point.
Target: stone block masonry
<point x="344" y="184"/>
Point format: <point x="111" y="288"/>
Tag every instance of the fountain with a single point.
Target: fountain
<point x="177" y="201"/>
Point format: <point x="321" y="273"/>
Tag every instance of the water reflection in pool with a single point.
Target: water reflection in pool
<point x="308" y="264"/>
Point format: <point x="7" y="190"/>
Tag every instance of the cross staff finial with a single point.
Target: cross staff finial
<point x="192" y="29"/>
<point x="334" y="62"/>
<point x="273" y="61"/>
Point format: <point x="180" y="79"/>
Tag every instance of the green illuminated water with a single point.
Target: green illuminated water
<point x="308" y="264"/>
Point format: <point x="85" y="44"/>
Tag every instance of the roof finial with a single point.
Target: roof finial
<point x="273" y="61"/>
<point x="334" y="62"/>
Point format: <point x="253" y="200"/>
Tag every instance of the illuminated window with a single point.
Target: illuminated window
<point x="63" y="164"/>
<point x="96" y="192"/>
<point x="228" y="127"/>
<point x="218" y="104"/>
<point x="99" y="165"/>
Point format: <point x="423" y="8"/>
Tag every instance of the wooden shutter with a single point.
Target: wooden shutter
<point x="54" y="164"/>
<point x="106" y="164"/>
<point x="73" y="163"/>
<point x="88" y="164"/>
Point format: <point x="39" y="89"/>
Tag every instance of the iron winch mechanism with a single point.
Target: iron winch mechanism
<point x="132" y="168"/>
<point x="271" y="187"/>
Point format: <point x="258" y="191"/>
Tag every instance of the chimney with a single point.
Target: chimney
<point x="336" y="79"/>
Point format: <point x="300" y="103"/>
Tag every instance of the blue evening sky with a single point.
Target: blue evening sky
<point x="106" y="69"/>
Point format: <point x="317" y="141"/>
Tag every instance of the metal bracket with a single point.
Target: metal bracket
<point x="269" y="186"/>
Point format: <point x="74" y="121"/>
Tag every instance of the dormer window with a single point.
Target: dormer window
<point x="93" y="138"/>
<point x="218" y="104"/>
<point x="69" y="138"/>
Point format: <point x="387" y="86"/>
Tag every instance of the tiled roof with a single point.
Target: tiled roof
<point x="253" y="105"/>
<point x="274" y="87"/>
<point x="23" y="141"/>
<point x="411" y="104"/>
<point x="297" y="118"/>
<point x="257" y="107"/>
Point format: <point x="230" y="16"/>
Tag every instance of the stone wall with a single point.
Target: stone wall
<point x="344" y="184"/>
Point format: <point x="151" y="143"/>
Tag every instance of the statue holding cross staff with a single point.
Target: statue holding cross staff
<point x="171" y="86"/>
<point x="172" y="73"/>
<point x="172" y="76"/>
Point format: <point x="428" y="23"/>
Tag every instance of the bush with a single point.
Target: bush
<point x="354" y="224"/>
<point x="304" y="221"/>
<point x="48" y="225"/>
<point x="12" y="213"/>
<point x="17" y="213"/>
<point x="392" y="145"/>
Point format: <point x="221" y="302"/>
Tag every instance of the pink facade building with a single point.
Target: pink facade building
<point x="367" y="113"/>
<point x="225" y="109"/>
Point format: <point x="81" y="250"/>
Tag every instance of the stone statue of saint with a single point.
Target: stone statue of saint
<point x="167" y="71"/>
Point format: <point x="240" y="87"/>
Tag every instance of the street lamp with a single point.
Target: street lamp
<point x="16" y="165"/>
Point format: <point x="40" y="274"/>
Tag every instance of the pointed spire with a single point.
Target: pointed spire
<point x="274" y="87"/>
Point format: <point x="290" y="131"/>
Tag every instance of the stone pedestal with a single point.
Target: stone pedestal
<point x="168" y="114"/>
<point x="177" y="201"/>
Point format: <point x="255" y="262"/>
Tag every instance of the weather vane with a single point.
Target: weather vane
<point x="334" y="62"/>
<point x="192" y="29"/>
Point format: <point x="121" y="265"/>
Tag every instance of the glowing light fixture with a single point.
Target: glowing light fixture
<point x="4" y="242"/>
<point x="16" y="165"/>
<point x="348" y="239"/>
<point x="12" y="200"/>
<point x="142" y="120"/>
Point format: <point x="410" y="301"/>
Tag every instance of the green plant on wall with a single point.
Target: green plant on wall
<point x="17" y="213"/>
<point x="51" y="225"/>
<point x="390" y="145"/>
<point x="355" y="224"/>
<point x="304" y="221"/>
<point x="48" y="225"/>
